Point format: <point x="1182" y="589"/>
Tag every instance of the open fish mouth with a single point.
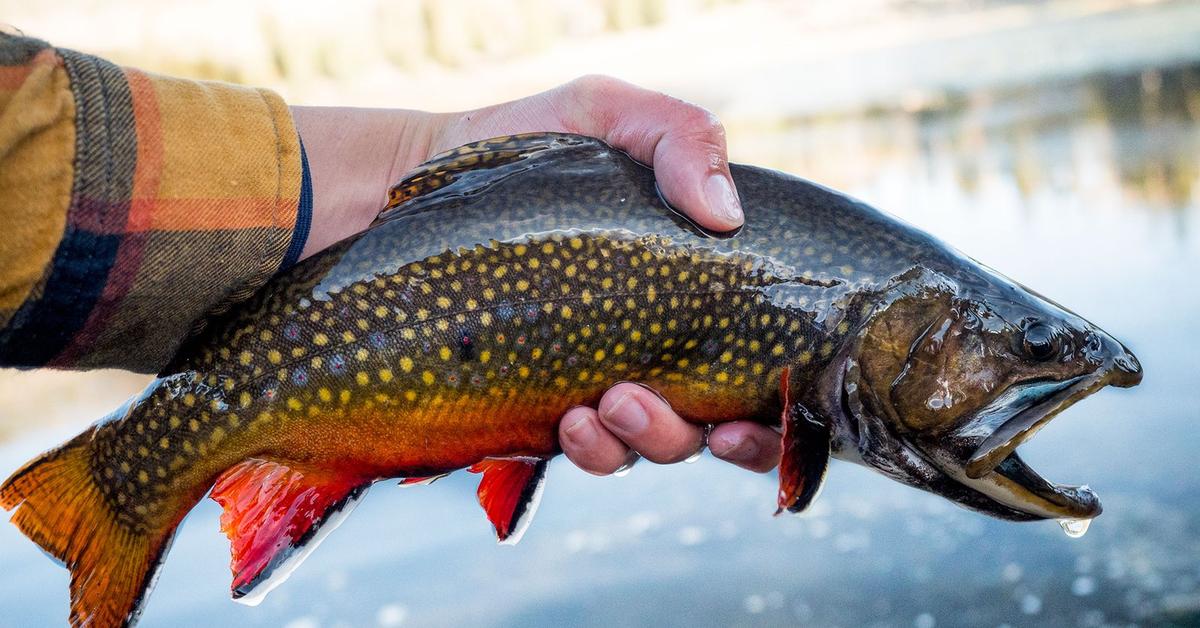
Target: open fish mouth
<point x="990" y="438"/>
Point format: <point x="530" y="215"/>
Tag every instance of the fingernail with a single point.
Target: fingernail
<point x="628" y="415"/>
<point x="722" y="199"/>
<point x="581" y="431"/>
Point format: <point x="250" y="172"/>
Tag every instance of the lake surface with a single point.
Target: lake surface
<point x="1086" y="190"/>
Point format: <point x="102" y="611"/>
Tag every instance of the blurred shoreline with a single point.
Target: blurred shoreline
<point x="746" y="60"/>
<point x="836" y="92"/>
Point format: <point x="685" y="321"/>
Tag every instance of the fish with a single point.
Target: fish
<point x="511" y="279"/>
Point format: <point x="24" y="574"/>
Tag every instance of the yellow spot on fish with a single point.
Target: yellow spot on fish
<point x="428" y="378"/>
<point x="722" y="377"/>
<point x="484" y="356"/>
<point x="444" y="352"/>
<point x="406" y="364"/>
<point x="164" y="443"/>
<point x="294" y="403"/>
<point x="324" y="394"/>
<point x="274" y="356"/>
<point x="385" y="375"/>
<point x="362" y="378"/>
<point x="244" y="358"/>
<point x="143" y="477"/>
<point x="443" y="302"/>
<point x="320" y="339"/>
<point x="599" y="355"/>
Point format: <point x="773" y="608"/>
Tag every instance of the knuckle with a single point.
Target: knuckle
<point x="591" y="84"/>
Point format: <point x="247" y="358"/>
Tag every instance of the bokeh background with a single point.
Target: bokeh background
<point x="1057" y="140"/>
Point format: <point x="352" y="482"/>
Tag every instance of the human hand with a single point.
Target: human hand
<point x="356" y="154"/>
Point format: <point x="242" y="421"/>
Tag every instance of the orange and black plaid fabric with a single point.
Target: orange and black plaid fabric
<point x="133" y="206"/>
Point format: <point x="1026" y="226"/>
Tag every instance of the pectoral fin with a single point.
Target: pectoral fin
<point x="275" y="516"/>
<point x="806" y="439"/>
<point x="509" y="493"/>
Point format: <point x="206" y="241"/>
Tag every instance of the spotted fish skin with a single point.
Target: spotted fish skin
<point x="465" y="324"/>
<point x="508" y="282"/>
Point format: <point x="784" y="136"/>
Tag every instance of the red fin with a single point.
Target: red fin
<point x="422" y="481"/>
<point x="805" y="452"/>
<point x="61" y="508"/>
<point x="509" y="493"/>
<point x="275" y="514"/>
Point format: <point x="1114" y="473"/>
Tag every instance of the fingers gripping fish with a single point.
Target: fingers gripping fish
<point x="513" y="279"/>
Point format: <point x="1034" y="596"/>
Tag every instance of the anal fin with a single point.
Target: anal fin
<point x="509" y="493"/>
<point x="806" y="441"/>
<point x="275" y="516"/>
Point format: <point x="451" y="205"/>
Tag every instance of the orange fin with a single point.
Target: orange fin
<point x="422" y="481"/>
<point x="509" y="493"/>
<point x="275" y="516"/>
<point x="60" y="507"/>
<point x="805" y="457"/>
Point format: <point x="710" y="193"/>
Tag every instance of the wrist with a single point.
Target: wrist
<point x="354" y="156"/>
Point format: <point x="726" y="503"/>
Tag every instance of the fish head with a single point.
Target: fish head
<point x="953" y="370"/>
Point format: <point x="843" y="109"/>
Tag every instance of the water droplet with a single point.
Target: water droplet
<point x="631" y="460"/>
<point x="1075" y="528"/>
<point x="694" y="457"/>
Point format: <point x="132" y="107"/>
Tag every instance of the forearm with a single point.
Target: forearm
<point x="133" y="205"/>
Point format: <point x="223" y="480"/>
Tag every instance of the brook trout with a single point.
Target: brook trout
<point x="513" y="279"/>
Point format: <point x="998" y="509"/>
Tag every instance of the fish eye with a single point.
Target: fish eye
<point x="1040" y="342"/>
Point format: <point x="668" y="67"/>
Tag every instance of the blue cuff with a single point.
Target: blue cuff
<point x="303" y="214"/>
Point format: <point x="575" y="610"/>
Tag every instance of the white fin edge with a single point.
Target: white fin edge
<point x="531" y="507"/>
<point x="259" y="592"/>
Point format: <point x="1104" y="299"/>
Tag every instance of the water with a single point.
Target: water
<point x="1087" y="190"/>
<point x="1075" y="528"/>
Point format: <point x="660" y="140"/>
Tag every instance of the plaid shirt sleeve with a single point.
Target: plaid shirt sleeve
<point x="134" y="206"/>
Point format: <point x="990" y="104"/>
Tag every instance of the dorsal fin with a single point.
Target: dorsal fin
<point x="275" y="516"/>
<point x="806" y="440"/>
<point x="509" y="493"/>
<point x="450" y="166"/>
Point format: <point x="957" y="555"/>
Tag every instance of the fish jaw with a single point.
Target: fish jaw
<point x="970" y="457"/>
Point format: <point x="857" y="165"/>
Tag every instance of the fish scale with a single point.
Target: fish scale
<point x="511" y="280"/>
<point x="466" y="328"/>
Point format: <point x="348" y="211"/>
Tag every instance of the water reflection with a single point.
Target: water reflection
<point x="1086" y="190"/>
<point x="1127" y="140"/>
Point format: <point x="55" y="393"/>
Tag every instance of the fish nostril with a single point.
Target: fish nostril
<point x="1129" y="370"/>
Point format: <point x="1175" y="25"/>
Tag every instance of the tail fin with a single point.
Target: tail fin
<point x="60" y="507"/>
